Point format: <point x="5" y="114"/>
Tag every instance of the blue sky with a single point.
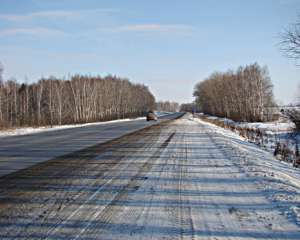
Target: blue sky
<point x="168" y="45"/>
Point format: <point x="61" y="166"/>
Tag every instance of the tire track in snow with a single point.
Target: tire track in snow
<point x="109" y="211"/>
<point x="175" y="181"/>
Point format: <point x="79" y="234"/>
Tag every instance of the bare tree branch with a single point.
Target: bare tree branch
<point x="290" y="41"/>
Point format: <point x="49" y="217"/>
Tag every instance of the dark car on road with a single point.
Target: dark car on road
<point x="151" y="116"/>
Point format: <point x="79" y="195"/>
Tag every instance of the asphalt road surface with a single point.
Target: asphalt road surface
<point x="179" y="179"/>
<point x="18" y="152"/>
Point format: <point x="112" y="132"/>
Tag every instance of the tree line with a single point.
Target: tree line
<point x="242" y="95"/>
<point x="167" y="106"/>
<point x="80" y="99"/>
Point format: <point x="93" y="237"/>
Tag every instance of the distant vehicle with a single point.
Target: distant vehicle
<point x="151" y="116"/>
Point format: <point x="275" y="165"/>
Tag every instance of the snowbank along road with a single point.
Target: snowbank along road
<point x="180" y="179"/>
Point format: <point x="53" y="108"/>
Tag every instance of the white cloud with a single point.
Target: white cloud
<point x="35" y="31"/>
<point x="148" y="28"/>
<point x="155" y="27"/>
<point x="53" y="14"/>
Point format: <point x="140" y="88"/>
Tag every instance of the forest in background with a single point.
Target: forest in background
<point x="167" y="106"/>
<point x="80" y="99"/>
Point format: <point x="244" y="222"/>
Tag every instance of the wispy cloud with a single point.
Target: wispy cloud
<point x="53" y="14"/>
<point x="35" y="31"/>
<point x="155" y="28"/>
<point x="150" y="28"/>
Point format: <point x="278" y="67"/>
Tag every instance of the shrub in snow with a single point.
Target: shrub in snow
<point x="276" y="137"/>
<point x="294" y="116"/>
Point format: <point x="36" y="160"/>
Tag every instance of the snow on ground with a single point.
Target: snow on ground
<point x="282" y="125"/>
<point x="270" y="126"/>
<point x="265" y="134"/>
<point x="33" y="130"/>
<point x="182" y="179"/>
<point x="280" y="180"/>
<point x="220" y="130"/>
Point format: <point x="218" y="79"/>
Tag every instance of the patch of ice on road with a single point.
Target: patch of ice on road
<point x="32" y="130"/>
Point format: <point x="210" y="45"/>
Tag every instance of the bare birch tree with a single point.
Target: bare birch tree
<point x="243" y="95"/>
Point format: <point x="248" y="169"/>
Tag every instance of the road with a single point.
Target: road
<point x="180" y="179"/>
<point x="18" y="152"/>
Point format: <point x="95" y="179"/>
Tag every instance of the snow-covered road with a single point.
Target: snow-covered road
<point x="183" y="179"/>
<point x="24" y="150"/>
